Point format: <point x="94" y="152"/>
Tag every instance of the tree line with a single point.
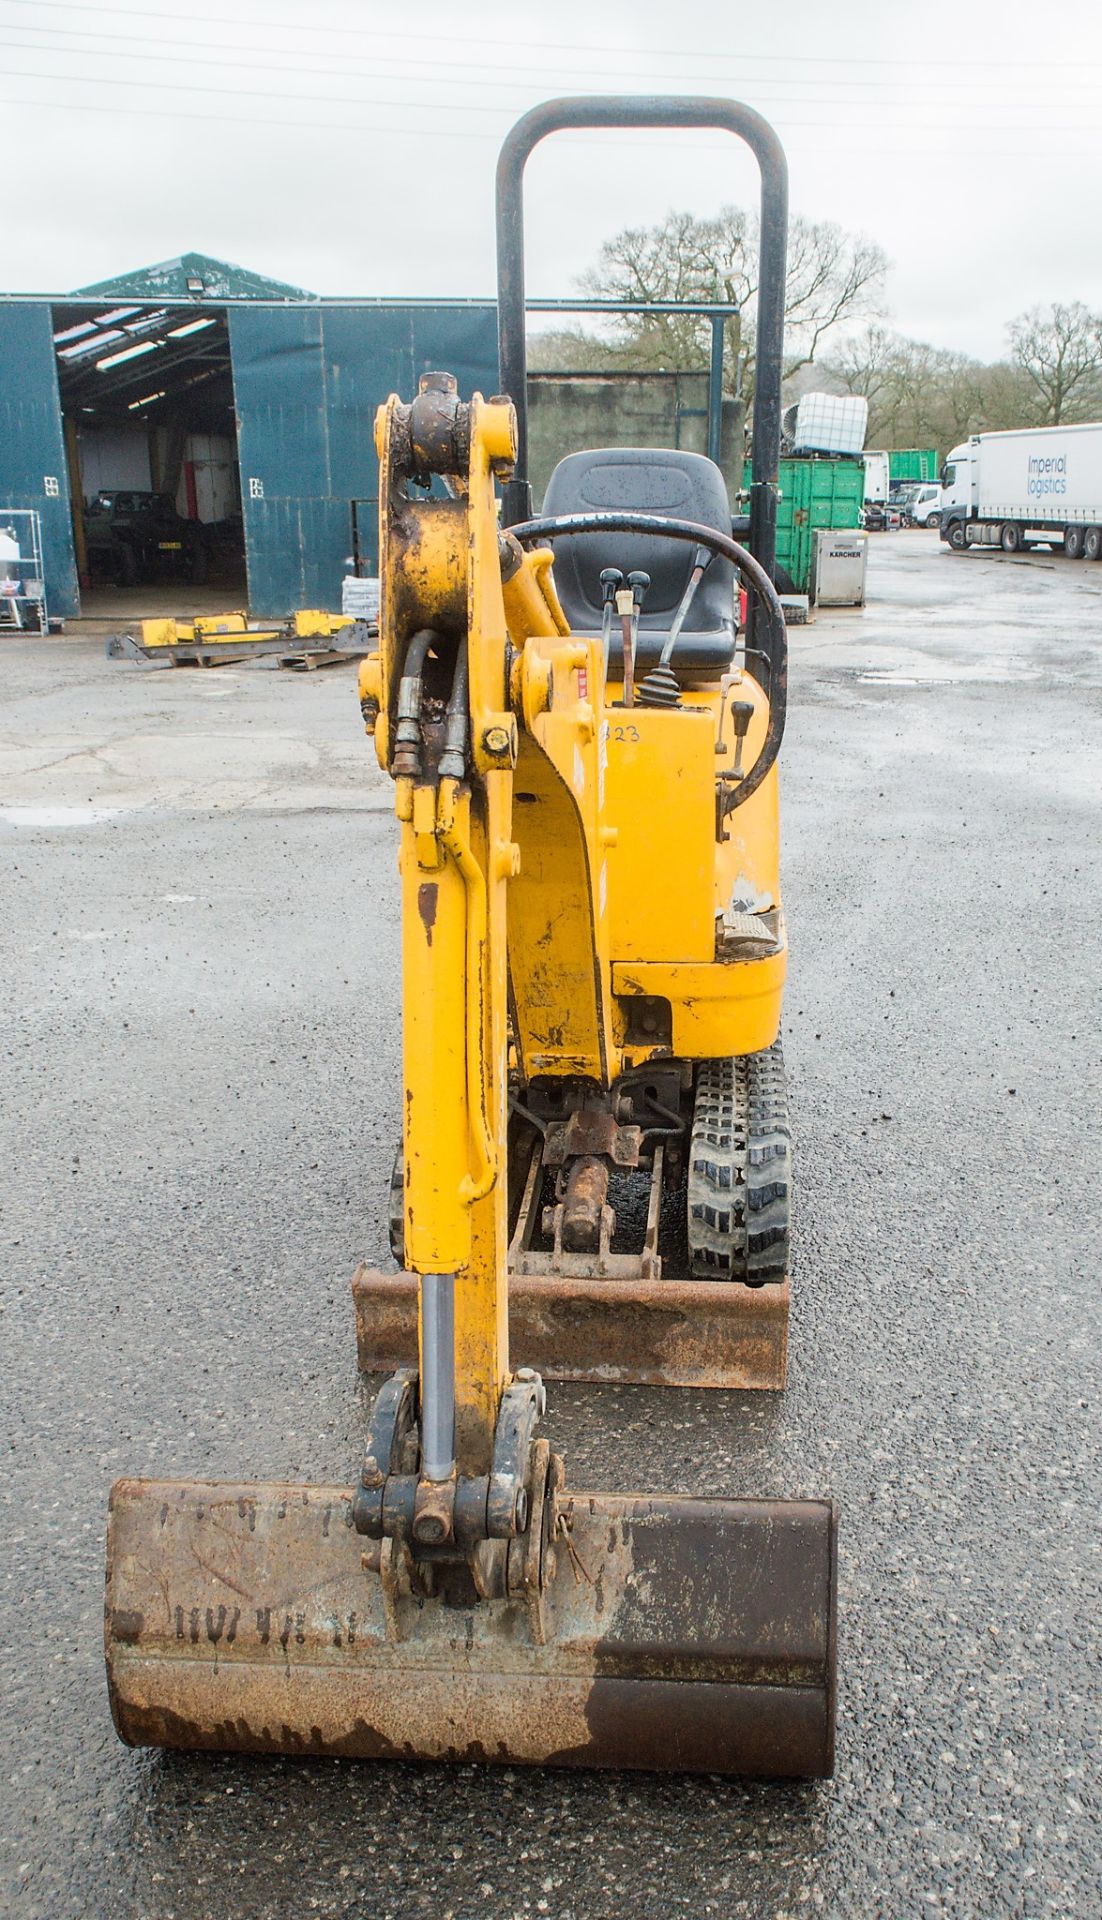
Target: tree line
<point x="918" y="394"/>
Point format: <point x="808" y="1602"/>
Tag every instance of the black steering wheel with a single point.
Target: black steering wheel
<point x="768" y="612"/>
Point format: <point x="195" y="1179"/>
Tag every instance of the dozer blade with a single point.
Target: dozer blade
<point x="680" y="1634"/>
<point x="659" y="1333"/>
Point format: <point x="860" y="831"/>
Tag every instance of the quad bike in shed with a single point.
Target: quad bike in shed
<point x="593" y="952"/>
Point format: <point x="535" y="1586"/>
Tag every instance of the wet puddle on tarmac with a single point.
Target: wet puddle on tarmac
<point x="940" y="672"/>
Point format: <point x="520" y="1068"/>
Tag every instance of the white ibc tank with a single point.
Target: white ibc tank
<point x="828" y="423"/>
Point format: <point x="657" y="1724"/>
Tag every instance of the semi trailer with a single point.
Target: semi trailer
<point x="1035" y="485"/>
<point x="878" y="481"/>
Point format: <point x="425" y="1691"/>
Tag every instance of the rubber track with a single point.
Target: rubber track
<point x="740" y="1170"/>
<point x="396" y="1208"/>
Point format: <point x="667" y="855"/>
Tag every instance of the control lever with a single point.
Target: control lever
<point x="742" y="712"/>
<point x="702" y="560"/>
<point x="611" y="578"/>
<point x="629" y="605"/>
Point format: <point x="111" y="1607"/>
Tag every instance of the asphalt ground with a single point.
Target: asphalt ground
<point x="198" y="1104"/>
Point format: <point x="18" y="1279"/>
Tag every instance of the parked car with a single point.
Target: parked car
<point x="880" y="516"/>
<point x="901" y="496"/>
<point x="135" y="538"/>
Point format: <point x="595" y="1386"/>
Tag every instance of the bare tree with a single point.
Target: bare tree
<point x="1059" y="349"/>
<point x="920" y="395"/>
<point x="833" y="278"/>
<point x="867" y="364"/>
<point x="574" y="350"/>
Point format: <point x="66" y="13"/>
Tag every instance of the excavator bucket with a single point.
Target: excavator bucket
<point x="694" y="1635"/>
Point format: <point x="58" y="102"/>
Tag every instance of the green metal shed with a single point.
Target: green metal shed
<point x="290" y="381"/>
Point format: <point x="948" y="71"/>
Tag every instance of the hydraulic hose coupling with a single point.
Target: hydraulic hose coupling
<point x="453" y="760"/>
<point x="408" y="743"/>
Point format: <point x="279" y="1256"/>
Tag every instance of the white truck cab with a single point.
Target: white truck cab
<point x="958" y="477"/>
<point x="925" y="507"/>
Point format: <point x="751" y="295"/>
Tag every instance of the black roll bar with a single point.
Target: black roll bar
<point x="652" y="110"/>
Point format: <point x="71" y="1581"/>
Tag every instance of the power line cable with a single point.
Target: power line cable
<point x="489" y="135"/>
<point x="588" y="49"/>
<point x="170" y="49"/>
<point x="498" y="111"/>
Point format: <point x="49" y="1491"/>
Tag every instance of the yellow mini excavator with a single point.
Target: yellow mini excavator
<point x="583" y="745"/>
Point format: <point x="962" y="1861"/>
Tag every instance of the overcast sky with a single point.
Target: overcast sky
<point x="349" y="145"/>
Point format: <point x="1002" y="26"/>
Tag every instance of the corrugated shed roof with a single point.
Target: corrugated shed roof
<point x="221" y="279"/>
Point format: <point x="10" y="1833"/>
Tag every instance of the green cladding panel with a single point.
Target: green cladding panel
<point x="814" y="492"/>
<point x="307" y="382"/>
<point x="33" y="468"/>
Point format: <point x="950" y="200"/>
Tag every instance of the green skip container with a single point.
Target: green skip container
<point x="817" y="490"/>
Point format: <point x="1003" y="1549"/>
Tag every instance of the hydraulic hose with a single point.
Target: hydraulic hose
<point x="479" y="1183"/>
<point x="772" y="627"/>
<point x="453" y="759"/>
<point x="407" y="737"/>
<point x="453" y="766"/>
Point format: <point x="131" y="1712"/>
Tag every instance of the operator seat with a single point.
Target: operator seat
<point x="656" y="480"/>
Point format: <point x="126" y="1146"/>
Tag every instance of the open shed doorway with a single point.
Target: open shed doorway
<point x="151" y="439"/>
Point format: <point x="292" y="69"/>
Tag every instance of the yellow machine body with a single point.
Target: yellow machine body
<point x="636" y="878"/>
<point x="621" y="880"/>
<point x="618" y="886"/>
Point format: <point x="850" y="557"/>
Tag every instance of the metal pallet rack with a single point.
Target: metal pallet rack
<point x="22" y="578"/>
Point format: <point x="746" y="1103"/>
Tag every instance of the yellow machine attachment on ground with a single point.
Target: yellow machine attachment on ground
<point x="593" y="958"/>
<point x="308" y="638"/>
